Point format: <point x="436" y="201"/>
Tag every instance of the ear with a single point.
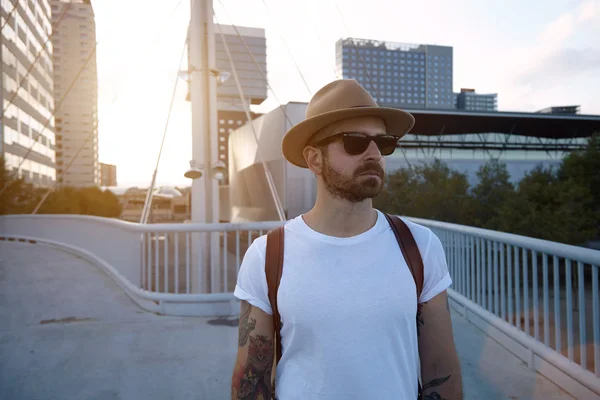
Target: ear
<point x="314" y="159"/>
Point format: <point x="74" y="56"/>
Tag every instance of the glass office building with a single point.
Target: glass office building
<point x="397" y="74"/>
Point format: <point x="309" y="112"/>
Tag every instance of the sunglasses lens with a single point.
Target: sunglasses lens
<point x="355" y="144"/>
<point x="386" y="144"/>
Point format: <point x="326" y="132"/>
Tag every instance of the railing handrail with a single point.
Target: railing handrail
<point x="161" y="227"/>
<point x="575" y="253"/>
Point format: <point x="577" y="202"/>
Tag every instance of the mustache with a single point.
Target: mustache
<point x="372" y="168"/>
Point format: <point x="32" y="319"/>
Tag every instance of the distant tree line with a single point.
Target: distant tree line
<point x="20" y="197"/>
<point x="560" y="204"/>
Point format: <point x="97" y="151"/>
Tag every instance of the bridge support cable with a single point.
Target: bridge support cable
<point x="60" y="102"/>
<point x="262" y="74"/>
<point x="362" y="61"/>
<point x="70" y="87"/>
<point x="35" y="60"/>
<point x="149" y="196"/>
<point x="312" y="24"/>
<point x="10" y="14"/>
<point x="288" y="49"/>
<point x="269" y="177"/>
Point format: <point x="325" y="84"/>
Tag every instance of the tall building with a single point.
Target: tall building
<point x="397" y="74"/>
<point x="26" y="96"/>
<point x="77" y="117"/>
<point x="245" y="51"/>
<point x="468" y="100"/>
<point x="108" y="175"/>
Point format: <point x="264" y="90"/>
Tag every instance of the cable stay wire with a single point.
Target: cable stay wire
<point x="262" y="74"/>
<point x="69" y="88"/>
<point x="288" y="49"/>
<point x="62" y="99"/>
<point x="35" y="60"/>
<point x="376" y="87"/>
<point x="91" y="134"/>
<point x="159" y="35"/>
<point x="323" y="47"/>
<point x="10" y="14"/>
<point x="149" y="196"/>
<point x="271" y="183"/>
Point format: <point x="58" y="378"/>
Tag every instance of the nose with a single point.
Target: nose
<point x="373" y="153"/>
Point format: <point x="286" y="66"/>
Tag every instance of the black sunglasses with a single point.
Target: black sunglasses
<point x="356" y="143"/>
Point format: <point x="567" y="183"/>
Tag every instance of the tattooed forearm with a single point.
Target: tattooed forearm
<point x="253" y="381"/>
<point x="431" y="384"/>
<point x="247" y="324"/>
<point x="419" y="318"/>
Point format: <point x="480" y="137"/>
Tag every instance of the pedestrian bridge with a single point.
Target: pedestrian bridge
<point x="105" y="309"/>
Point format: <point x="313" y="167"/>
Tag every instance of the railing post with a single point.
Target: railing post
<point x="557" y="310"/>
<point x="596" y="319"/>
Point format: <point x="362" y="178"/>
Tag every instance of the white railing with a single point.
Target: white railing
<point x="546" y="292"/>
<point x="540" y="294"/>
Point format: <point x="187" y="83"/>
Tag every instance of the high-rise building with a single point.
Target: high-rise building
<point x="77" y="117"/>
<point x="108" y="175"/>
<point x="468" y="100"/>
<point x="26" y="93"/>
<point x="397" y="74"/>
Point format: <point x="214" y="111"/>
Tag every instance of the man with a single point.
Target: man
<point x="351" y="327"/>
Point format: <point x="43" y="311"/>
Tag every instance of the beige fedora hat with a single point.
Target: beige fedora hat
<point x="336" y="101"/>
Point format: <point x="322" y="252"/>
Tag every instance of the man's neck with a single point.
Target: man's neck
<point x="340" y="218"/>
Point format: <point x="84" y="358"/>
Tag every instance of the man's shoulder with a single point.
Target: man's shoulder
<point x="259" y="244"/>
<point x="421" y="233"/>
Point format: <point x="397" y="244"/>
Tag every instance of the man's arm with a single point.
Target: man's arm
<point x="252" y="371"/>
<point x="440" y="367"/>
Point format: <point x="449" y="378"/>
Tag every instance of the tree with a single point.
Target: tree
<point x="431" y="191"/>
<point x="547" y="207"/>
<point x="17" y="196"/>
<point x="86" y="201"/>
<point x="20" y="197"/>
<point x="492" y="191"/>
<point x="583" y="168"/>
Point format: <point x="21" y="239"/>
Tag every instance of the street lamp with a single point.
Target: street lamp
<point x="218" y="170"/>
<point x="194" y="172"/>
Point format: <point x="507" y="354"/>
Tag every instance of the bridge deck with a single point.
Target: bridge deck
<point x="69" y="332"/>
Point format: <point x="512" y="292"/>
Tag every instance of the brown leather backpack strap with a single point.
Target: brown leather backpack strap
<point x="413" y="258"/>
<point x="273" y="270"/>
<point x="410" y="250"/>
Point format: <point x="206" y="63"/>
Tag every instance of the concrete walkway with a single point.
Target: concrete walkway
<point x="68" y="332"/>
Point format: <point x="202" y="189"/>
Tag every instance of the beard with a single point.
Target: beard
<point x="357" y="187"/>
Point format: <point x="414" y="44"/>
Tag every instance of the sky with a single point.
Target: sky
<point x="533" y="54"/>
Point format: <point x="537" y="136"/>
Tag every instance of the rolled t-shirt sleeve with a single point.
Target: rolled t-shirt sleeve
<point x="436" y="277"/>
<point x="252" y="280"/>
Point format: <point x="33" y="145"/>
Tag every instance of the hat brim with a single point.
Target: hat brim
<point x="397" y="122"/>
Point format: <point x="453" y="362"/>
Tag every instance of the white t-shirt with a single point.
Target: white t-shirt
<point x="348" y="310"/>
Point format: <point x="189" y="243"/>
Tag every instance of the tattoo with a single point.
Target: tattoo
<point x="419" y="318"/>
<point x="247" y="324"/>
<point x="434" y="383"/>
<point x="256" y="379"/>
